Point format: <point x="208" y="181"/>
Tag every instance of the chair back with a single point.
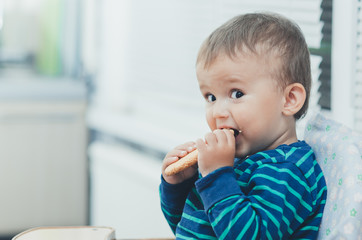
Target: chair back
<point x="338" y="150"/>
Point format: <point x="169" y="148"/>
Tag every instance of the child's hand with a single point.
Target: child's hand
<point x="175" y="155"/>
<point x="218" y="150"/>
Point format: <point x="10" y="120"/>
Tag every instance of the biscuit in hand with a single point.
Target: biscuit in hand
<point x="183" y="163"/>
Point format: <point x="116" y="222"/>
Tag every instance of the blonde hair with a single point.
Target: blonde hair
<point x="267" y="35"/>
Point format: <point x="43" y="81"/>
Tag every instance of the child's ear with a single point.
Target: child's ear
<point x="294" y="96"/>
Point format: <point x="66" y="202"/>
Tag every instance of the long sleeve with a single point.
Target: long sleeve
<point x="275" y="194"/>
<point x="173" y="197"/>
<point x="277" y="202"/>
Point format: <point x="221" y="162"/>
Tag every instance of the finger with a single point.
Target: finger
<point x="200" y="144"/>
<point x="230" y="138"/>
<point x="186" y="146"/>
<point x="210" y="138"/>
<point x="191" y="148"/>
<point x="169" y="160"/>
<point x="176" y="153"/>
<point x="221" y="136"/>
<point x="173" y="156"/>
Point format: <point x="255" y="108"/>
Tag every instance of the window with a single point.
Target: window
<point x="324" y="51"/>
<point x="39" y="38"/>
<point x="146" y="87"/>
<point x="358" y="86"/>
<point x="346" y="61"/>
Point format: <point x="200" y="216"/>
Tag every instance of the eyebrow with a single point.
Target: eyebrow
<point x="228" y="79"/>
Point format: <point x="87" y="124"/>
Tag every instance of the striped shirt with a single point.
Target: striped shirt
<point x="275" y="194"/>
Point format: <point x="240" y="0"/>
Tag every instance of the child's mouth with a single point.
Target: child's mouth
<point x="236" y="132"/>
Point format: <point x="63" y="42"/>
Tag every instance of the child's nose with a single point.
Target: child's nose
<point x="220" y="110"/>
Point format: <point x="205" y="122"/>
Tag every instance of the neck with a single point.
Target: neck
<point x="288" y="135"/>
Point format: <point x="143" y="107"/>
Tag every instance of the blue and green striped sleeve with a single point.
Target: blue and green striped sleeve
<point x="173" y="197"/>
<point x="278" y="202"/>
<point x="275" y="194"/>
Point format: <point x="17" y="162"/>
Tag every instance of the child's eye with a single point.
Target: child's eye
<point x="236" y="94"/>
<point x="210" y="98"/>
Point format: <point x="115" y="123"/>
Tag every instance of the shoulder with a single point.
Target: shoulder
<point x="294" y="163"/>
<point x="282" y="163"/>
<point x="298" y="153"/>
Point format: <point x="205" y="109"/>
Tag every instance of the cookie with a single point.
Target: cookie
<point x="183" y="163"/>
<point x="189" y="160"/>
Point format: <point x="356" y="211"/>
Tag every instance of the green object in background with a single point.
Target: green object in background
<point x="49" y="58"/>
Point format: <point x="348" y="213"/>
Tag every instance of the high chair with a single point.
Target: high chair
<point x="338" y="150"/>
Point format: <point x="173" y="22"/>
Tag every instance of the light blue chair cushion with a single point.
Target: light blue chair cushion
<point x="338" y="150"/>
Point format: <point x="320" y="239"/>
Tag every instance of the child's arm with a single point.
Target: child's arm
<point x="173" y="156"/>
<point x="174" y="189"/>
<point x="276" y="202"/>
<point x="173" y="197"/>
<point x="216" y="151"/>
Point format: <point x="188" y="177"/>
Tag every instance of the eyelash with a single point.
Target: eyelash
<point x="211" y="98"/>
<point x="236" y="91"/>
<point x="208" y="96"/>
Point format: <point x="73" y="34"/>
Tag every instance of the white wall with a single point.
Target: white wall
<point x="43" y="171"/>
<point x="124" y="193"/>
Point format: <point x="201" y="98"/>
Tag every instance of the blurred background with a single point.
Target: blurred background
<point x="93" y="93"/>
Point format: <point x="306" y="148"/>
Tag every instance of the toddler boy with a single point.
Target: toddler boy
<point x="254" y="73"/>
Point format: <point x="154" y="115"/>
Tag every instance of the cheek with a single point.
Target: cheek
<point x="248" y="118"/>
<point x="266" y="106"/>
<point x="210" y="120"/>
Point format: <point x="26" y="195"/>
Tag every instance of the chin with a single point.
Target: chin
<point x="241" y="154"/>
<point x="244" y="152"/>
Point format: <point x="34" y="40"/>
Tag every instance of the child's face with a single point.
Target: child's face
<point x="241" y="94"/>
